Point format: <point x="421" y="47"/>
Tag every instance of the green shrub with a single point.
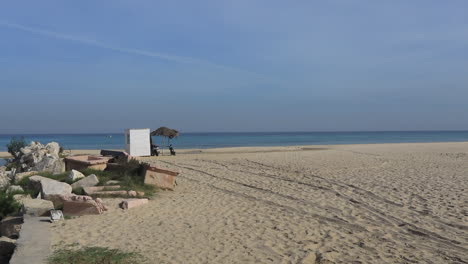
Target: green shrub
<point x="15" y="146"/>
<point x="8" y="205"/>
<point x="94" y="255"/>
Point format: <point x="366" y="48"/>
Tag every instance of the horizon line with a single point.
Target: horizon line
<point x="237" y="132"/>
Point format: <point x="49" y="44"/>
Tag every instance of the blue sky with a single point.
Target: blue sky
<point x="244" y="65"/>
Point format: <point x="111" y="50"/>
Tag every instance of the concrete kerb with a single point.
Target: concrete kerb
<point x="33" y="244"/>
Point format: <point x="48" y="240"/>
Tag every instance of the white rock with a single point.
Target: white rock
<point x="75" y="175"/>
<point x="56" y="215"/>
<point x="53" y="148"/>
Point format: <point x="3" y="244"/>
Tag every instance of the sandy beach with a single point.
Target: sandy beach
<point x="380" y="203"/>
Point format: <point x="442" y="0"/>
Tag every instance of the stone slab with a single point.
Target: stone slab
<point x="162" y="178"/>
<point x="131" y="203"/>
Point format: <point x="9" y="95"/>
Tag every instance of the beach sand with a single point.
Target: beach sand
<point x="379" y="203"/>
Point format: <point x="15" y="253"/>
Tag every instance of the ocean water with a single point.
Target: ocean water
<point x="215" y="140"/>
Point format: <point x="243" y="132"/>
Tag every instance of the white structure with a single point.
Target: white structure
<point x="137" y="142"/>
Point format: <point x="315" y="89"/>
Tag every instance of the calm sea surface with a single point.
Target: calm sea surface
<point x="215" y="140"/>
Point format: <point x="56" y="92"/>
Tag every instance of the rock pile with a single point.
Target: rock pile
<point x="37" y="157"/>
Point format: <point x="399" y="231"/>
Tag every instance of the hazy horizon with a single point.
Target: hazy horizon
<point x="235" y="132"/>
<point x="257" y="66"/>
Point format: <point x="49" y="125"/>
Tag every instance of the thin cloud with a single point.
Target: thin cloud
<point x="98" y="44"/>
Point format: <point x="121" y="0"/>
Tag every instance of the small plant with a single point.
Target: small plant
<point x="8" y="204"/>
<point x="14" y="147"/>
<point x="94" y="255"/>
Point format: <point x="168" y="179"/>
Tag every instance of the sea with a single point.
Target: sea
<point x="218" y="140"/>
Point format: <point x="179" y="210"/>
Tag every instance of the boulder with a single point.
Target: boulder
<point x="14" y="188"/>
<point x="7" y="247"/>
<point x="76" y="205"/>
<point x="11" y="226"/>
<point x="51" y="164"/>
<point x="49" y="187"/>
<point x="88" y="181"/>
<point x="130" y="203"/>
<point x="75" y="175"/>
<point x="37" y="207"/>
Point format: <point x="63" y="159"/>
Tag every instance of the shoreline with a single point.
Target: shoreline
<point x="256" y="149"/>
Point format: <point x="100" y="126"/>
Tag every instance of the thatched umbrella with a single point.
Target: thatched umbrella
<point x="165" y="132"/>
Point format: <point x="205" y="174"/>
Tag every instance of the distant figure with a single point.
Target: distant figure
<point x="172" y="150"/>
<point x="155" y="151"/>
